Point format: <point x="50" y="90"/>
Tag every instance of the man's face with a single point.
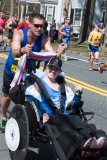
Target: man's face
<point x="37" y="26"/>
<point x="15" y="18"/>
<point x="68" y="20"/>
<point x="27" y="17"/>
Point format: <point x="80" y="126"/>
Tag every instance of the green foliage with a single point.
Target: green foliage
<point x="6" y="5"/>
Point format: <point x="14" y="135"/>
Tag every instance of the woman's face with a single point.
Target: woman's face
<point x="52" y="72"/>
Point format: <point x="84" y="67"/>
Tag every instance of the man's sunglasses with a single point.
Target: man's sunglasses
<point x="38" y="25"/>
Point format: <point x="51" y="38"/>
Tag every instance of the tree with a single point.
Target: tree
<point x="87" y="19"/>
<point x="105" y="42"/>
<point x="12" y="8"/>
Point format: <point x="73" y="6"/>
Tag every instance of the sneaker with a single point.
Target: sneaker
<point x="100" y="69"/>
<point x="2" y="124"/>
<point x="87" y="145"/>
<point x="90" y="69"/>
<point x="64" y="59"/>
<point x="101" y="142"/>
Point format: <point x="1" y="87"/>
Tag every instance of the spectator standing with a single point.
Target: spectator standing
<point x="52" y="30"/>
<point x="67" y="31"/>
<point x="103" y="31"/>
<point x="45" y="31"/>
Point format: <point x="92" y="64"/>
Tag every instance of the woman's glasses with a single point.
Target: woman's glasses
<point x="38" y="25"/>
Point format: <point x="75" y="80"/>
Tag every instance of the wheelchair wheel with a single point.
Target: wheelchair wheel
<point x="19" y="114"/>
<point x="32" y="115"/>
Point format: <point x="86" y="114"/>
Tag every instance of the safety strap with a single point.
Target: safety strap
<point x="33" y="78"/>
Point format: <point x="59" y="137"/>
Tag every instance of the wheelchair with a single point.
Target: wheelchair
<point x="25" y="125"/>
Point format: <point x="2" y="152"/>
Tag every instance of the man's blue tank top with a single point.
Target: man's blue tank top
<point x="67" y="30"/>
<point x="36" y="48"/>
<point x="56" y="98"/>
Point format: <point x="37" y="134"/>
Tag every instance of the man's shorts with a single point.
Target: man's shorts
<point x="7" y="79"/>
<point x="93" y="48"/>
<point x="10" y="35"/>
<point x="66" y="41"/>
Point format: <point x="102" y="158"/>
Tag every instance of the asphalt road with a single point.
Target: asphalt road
<point x="77" y="68"/>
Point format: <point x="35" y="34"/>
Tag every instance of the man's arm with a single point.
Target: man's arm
<point x="72" y="31"/>
<point x="17" y="51"/>
<point x="89" y="38"/>
<point x="8" y="24"/>
<point x="61" y="30"/>
<point x="46" y="45"/>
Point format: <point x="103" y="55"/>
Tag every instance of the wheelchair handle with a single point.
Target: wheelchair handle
<point x="58" y="54"/>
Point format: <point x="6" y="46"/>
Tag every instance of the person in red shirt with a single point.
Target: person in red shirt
<point x="24" y="24"/>
<point x="2" y="26"/>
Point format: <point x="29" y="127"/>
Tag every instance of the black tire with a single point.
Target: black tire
<point x="19" y="114"/>
<point x="32" y="115"/>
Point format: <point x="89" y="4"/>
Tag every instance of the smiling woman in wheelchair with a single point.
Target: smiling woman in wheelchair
<point x="53" y="69"/>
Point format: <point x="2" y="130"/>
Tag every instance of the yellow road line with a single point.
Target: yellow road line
<point x="75" y="81"/>
<point x="103" y="93"/>
<point x="3" y="55"/>
<point x="85" y="85"/>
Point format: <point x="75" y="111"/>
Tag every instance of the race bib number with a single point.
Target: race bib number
<point x="14" y="69"/>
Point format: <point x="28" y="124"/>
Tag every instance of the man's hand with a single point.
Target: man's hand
<point x="45" y="117"/>
<point x="62" y="48"/>
<point x="28" y="48"/>
<point x="63" y="33"/>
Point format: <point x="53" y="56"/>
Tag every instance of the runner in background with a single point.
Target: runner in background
<point x="25" y="23"/>
<point x="2" y="26"/>
<point x="101" y="66"/>
<point x="11" y="24"/>
<point x="94" y="41"/>
<point x="67" y="31"/>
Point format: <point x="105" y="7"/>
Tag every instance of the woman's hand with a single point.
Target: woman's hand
<point x="45" y="117"/>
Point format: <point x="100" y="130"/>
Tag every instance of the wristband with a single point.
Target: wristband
<point x="20" y="52"/>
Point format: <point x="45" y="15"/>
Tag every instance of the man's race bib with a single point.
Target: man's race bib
<point x="14" y="66"/>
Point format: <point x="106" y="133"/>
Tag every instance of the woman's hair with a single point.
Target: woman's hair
<point x="36" y="15"/>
